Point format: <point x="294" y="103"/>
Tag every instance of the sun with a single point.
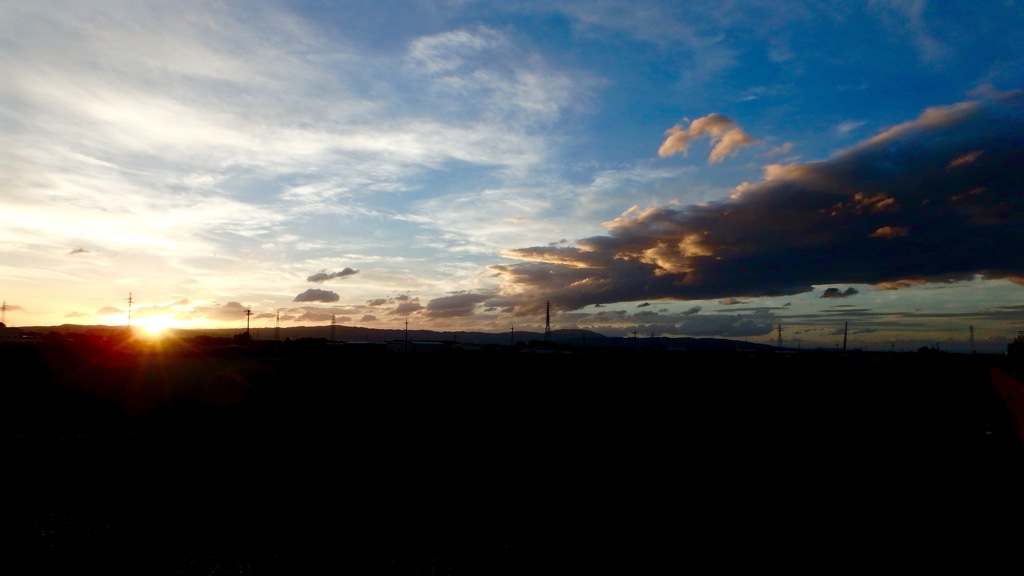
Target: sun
<point x="156" y="325"/>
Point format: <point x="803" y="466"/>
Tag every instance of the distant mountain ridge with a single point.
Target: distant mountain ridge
<point x="566" y="337"/>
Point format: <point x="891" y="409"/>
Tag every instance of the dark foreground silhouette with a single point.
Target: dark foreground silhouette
<point x="243" y="460"/>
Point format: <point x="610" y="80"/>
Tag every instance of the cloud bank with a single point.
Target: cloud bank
<point x="936" y="199"/>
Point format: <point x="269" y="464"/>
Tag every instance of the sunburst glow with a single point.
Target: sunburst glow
<point x="156" y="325"/>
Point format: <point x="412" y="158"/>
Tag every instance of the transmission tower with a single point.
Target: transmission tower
<point x="547" y="323"/>
<point x="129" y="309"/>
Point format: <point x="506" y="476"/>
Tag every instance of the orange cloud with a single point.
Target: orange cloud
<point x="726" y="137"/>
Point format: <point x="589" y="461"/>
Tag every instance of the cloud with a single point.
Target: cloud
<point x="229" y="311"/>
<point x="845" y="128"/>
<point x="406" y="308"/>
<point x="780" y="150"/>
<point x="323" y="275"/>
<point x="314" y="316"/>
<point x="314" y="295"/>
<point x="837" y="293"/>
<point x="455" y="305"/>
<point x="726" y="137"/>
<point x="885" y="212"/>
<point x="79" y="251"/>
<point x="965" y="159"/>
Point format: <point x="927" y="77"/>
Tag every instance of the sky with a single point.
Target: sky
<point x="776" y="171"/>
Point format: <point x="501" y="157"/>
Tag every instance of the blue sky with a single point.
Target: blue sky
<point x="669" y="168"/>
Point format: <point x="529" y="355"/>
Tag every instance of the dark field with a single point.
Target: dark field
<point x="244" y="460"/>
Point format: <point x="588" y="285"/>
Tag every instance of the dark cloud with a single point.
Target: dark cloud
<point x="79" y="251"/>
<point x="323" y="275"/>
<point x="455" y="305"/>
<point x="937" y="199"/>
<point x="406" y="308"/>
<point x="314" y="295"/>
<point x="837" y="293"/>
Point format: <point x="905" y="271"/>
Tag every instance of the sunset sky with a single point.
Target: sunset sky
<point x="704" y="169"/>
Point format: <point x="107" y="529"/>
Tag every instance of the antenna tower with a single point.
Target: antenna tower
<point x="277" y="326"/>
<point x="332" y="327"/>
<point x="780" y="335"/>
<point x="3" y="314"/>
<point x="547" y="322"/>
<point x="972" y="339"/>
<point x="248" y="312"/>
<point x="845" y="325"/>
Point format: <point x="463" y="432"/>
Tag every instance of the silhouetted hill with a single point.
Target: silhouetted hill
<point x="566" y="337"/>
